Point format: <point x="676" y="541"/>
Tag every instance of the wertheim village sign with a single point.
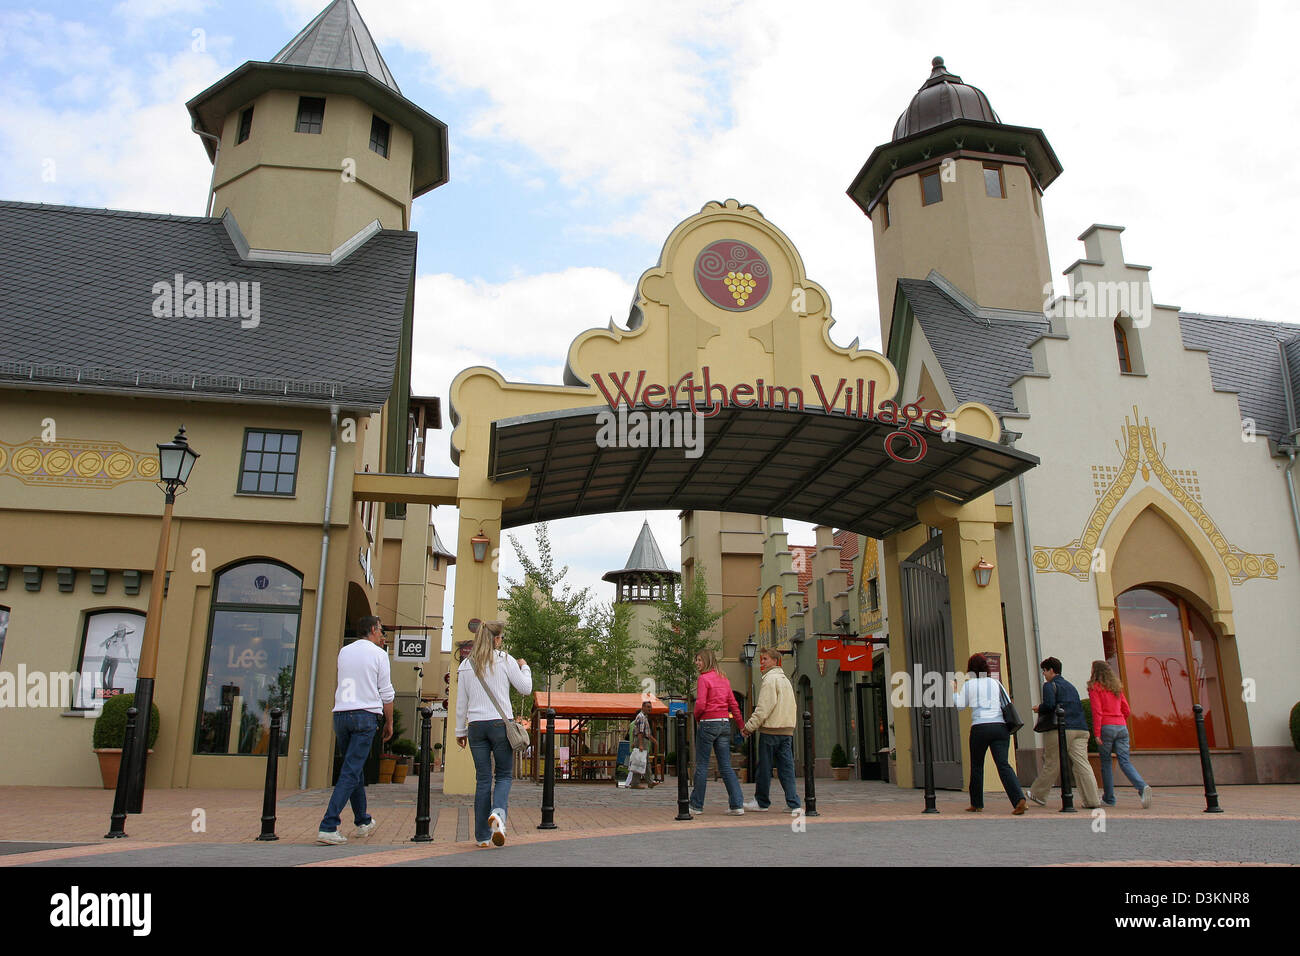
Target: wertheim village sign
<point x="726" y="328"/>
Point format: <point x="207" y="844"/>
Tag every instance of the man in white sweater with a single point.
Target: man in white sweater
<point x="363" y="702"/>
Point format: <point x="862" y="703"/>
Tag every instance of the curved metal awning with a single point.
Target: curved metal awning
<point x="805" y="465"/>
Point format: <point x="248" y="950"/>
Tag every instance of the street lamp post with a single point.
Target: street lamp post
<point x="175" y="461"/>
<point x="747" y="655"/>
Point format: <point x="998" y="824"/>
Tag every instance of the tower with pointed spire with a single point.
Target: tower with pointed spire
<point x="959" y="191"/>
<point x="643" y="579"/>
<point x="312" y="146"/>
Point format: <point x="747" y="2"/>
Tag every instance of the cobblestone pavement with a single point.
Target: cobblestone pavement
<point x="859" y="822"/>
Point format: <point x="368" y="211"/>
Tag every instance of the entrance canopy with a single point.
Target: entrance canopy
<point x="811" y="466"/>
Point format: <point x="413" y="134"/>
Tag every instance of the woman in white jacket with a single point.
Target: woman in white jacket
<point x="988" y="732"/>
<point x="484" y="677"/>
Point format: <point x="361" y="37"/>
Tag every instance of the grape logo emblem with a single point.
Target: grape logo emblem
<point x="733" y="275"/>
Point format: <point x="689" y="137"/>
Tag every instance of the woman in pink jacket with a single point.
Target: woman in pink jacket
<point x="1110" y="728"/>
<point x="715" y="706"/>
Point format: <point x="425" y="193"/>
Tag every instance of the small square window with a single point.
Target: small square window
<point x="271" y="469"/>
<point x="245" y="125"/>
<point x="994" y="188"/>
<point x="311" y="114"/>
<point x="379" y="131"/>
<point x="931" y="188"/>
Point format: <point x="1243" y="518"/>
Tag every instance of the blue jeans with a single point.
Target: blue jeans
<point x="777" y="748"/>
<point x="488" y="742"/>
<point x="355" y="730"/>
<point x="715" y="736"/>
<point x="1115" y="737"/>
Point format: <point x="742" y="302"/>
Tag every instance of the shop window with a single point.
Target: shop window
<point x="245" y="125"/>
<point x="379" y="133"/>
<point x="931" y="188"/>
<point x="269" y="465"/>
<point x="1168" y="660"/>
<point x="994" y="186"/>
<point x="110" y="651"/>
<point x="249" y="664"/>
<point x="311" y="114"/>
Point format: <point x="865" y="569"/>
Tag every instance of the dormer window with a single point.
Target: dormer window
<point x="379" y="131"/>
<point x="931" y="188"/>
<point x="311" y="114"/>
<point x="1121" y="346"/>
<point x="245" y="125"/>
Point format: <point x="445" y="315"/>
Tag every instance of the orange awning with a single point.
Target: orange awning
<point x="597" y="705"/>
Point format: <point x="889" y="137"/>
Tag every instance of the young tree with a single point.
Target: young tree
<point x="680" y="633"/>
<point x="607" y="664"/>
<point x="544" y="618"/>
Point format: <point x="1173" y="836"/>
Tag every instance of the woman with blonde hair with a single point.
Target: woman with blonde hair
<point x="1110" y="729"/>
<point x="482" y="709"/>
<point x="715" y="707"/>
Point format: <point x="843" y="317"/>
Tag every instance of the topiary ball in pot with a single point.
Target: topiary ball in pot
<point x="838" y="757"/>
<point x="1295" y="726"/>
<point x="110" y="725"/>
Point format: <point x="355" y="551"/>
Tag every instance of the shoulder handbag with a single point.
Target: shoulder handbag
<point x="517" y="736"/>
<point x="1010" y="716"/>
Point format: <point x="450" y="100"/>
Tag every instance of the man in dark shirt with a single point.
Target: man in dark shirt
<point x="1058" y="690"/>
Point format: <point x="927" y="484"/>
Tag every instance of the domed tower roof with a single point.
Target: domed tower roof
<point x="942" y="99"/>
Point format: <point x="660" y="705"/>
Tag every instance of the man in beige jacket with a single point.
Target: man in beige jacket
<point x="774" y="717"/>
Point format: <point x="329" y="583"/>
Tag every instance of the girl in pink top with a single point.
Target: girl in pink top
<point x="1110" y="728"/>
<point x="715" y="707"/>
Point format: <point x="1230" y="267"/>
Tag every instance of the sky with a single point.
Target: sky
<point x="582" y="133"/>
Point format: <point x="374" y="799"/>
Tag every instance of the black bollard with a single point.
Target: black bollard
<point x="424" y="767"/>
<point x="272" y="761"/>
<point x="1207" y="771"/>
<point x="809" y="785"/>
<point x="548" y="780"/>
<point x="927" y="759"/>
<point x="683" y="793"/>
<point x="117" y="821"/>
<point x="1067" y="792"/>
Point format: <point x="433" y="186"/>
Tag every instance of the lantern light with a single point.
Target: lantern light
<point x="479" y="543"/>
<point x="983" y="573"/>
<point x="748" y="650"/>
<point x="175" y="460"/>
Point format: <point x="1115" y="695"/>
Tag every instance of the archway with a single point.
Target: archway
<point x="724" y="393"/>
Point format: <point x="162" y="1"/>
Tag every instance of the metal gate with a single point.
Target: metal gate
<point x="927" y="634"/>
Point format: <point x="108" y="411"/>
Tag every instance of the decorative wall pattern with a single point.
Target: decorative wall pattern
<point x="869" y="620"/>
<point x="76" y="462"/>
<point x="1111" y="483"/>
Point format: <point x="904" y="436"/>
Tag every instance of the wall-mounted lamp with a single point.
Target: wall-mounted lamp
<point x="983" y="573"/>
<point x="748" y="650"/>
<point x="479" y="543"/>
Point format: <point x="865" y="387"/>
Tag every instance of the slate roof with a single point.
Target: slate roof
<point x="77" y="301"/>
<point x="338" y="39"/>
<point x="645" y="556"/>
<point x="981" y="357"/>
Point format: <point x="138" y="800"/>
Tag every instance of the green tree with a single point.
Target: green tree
<point x="544" y="618"/>
<point x="680" y="633"/>
<point x="607" y="663"/>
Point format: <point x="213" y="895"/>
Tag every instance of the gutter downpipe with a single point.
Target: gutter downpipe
<point x="1290" y="487"/>
<point x="1290" y="451"/>
<point x="320" y="595"/>
<point x="212" y="183"/>
<point x="1029" y="551"/>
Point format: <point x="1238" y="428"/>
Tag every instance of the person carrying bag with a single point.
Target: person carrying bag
<point x="991" y="728"/>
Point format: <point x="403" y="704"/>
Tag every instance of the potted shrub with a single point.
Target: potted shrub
<point x="405" y="749"/>
<point x="1295" y="726"/>
<point x="388" y="756"/>
<point x="437" y="757"/>
<point x="671" y="761"/>
<point x="839" y="763"/>
<point x="110" y="734"/>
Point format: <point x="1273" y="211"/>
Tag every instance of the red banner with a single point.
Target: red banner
<point x="829" y="650"/>
<point x="856" y="658"/>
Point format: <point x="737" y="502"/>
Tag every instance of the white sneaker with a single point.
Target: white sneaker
<point x="498" y="826"/>
<point x="752" y="805"/>
<point x="738" y="812"/>
<point x="328" y="838"/>
<point x="484" y="843"/>
<point x="365" y="829"/>
<point x="1146" y="798"/>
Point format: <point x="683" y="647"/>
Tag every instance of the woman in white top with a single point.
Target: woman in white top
<point x="983" y="695"/>
<point x="479" y="722"/>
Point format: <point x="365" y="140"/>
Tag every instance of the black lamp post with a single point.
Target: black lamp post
<point x="175" y="461"/>
<point x="747" y="655"/>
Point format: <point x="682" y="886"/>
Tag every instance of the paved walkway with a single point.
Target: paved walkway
<point x="60" y="826"/>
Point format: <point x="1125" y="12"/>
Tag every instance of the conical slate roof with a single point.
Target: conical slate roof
<point x="338" y="39"/>
<point x="645" y="556"/>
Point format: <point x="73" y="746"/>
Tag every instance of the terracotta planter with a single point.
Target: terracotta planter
<point x="840" y="773"/>
<point x="399" y="772"/>
<point x="110" y="761"/>
<point x="386" y="767"/>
